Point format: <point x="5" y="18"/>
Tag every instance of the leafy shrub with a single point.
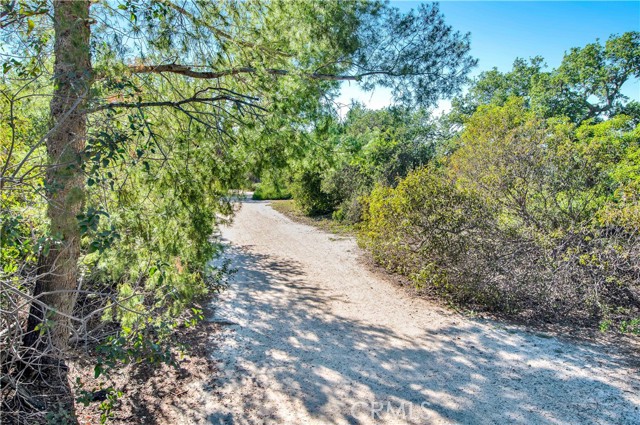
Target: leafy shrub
<point x="369" y="147"/>
<point x="309" y="195"/>
<point x="528" y="215"/>
<point x="264" y="191"/>
<point x="595" y="274"/>
<point x="451" y="242"/>
<point x="347" y="184"/>
<point x="444" y="238"/>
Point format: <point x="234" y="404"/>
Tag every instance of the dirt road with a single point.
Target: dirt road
<point x="313" y="336"/>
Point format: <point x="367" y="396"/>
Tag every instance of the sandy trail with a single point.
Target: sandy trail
<point x="318" y="338"/>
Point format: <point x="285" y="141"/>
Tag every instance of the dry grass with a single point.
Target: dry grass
<point x="323" y="222"/>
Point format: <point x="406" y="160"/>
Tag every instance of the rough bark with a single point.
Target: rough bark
<point x="64" y="180"/>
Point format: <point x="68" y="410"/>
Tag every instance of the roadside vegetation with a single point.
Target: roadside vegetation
<point x="524" y="199"/>
<point x="325" y="222"/>
<point x="270" y="187"/>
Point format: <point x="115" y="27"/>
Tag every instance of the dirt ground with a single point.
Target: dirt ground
<point x="320" y="338"/>
<point x="159" y="395"/>
<point x="308" y="333"/>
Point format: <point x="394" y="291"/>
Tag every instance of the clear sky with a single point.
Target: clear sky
<point x="504" y="30"/>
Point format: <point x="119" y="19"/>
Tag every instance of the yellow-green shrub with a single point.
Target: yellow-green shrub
<point x="527" y="215"/>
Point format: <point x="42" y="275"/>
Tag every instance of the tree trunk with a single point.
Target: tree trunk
<point x="64" y="180"/>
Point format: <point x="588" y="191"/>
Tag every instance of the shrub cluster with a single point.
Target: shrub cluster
<point x="350" y="157"/>
<point x="527" y="216"/>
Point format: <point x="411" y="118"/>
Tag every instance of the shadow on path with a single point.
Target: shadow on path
<point x="291" y="358"/>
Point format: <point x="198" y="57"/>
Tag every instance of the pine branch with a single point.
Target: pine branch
<point x="189" y="72"/>
<point x="178" y="103"/>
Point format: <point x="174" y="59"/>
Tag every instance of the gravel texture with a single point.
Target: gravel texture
<point x="312" y="335"/>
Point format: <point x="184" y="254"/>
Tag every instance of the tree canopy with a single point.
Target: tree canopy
<point x="586" y="85"/>
<point x="129" y="122"/>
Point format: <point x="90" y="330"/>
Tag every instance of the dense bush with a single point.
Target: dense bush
<point x="308" y="194"/>
<point x="440" y="236"/>
<point x="349" y="158"/>
<point x="451" y="242"/>
<point x="272" y="186"/>
<point x="264" y="191"/>
<point x="348" y="184"/>
<point x="528" y="215"/>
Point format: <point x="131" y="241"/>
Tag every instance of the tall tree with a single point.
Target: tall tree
<point x="228" y="66"/>
<point x="495" y="87"/>
<point x="587" y="84"/>
<point x="55" y="290"/>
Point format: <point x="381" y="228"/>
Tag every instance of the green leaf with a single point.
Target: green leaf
<point x="98" y="370"/>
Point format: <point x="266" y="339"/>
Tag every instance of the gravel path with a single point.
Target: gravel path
<point x="313" y="336"/>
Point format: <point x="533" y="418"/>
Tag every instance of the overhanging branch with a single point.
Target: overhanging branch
<point x="217" y="31"/>
<point x="178" y="103"/>
<point x="190" y="72"/>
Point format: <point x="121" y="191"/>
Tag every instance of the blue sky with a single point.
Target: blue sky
<point x="503" y="30"/>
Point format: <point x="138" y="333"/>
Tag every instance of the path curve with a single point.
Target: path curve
<point x="315" y="337"/>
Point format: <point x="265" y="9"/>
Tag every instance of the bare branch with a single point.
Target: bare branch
<point x="189" y="72"/>
<point x="177" y="104"/>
